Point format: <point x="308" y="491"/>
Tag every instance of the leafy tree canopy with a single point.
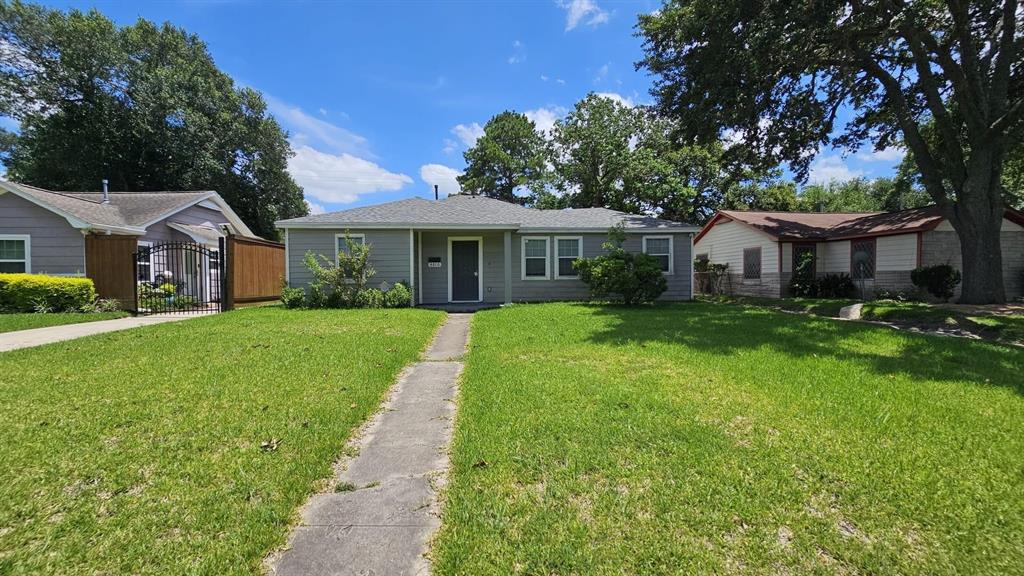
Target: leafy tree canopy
<point x="779" y="74"/>
<point x="507" y="159"/>
<point x="143" y="106"/>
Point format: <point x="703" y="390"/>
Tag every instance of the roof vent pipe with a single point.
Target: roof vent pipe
<point x="435" y="192"/>
<point x="106" y="192"/>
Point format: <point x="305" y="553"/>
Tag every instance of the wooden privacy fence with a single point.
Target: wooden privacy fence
<point x="255" y="270"/>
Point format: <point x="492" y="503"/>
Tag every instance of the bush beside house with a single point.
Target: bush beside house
<point x="622" y="276"/>
<point x="344" y="284"/>
<point x="41" y="293"/>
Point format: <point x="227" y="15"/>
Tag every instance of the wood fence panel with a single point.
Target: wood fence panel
<point x="110" y="263"/>
<point x="256" y="269"/>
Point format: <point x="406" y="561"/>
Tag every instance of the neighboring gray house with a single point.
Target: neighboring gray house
<point x="879" y="250"/>
<point x="46" y="232"/>
<point x="476" y="249"/>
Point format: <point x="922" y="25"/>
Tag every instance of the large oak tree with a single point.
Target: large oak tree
<point x="141" y="105"/>
<point x="781" y="73"/>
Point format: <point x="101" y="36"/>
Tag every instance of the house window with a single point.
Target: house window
<point x="862" y="259"/>
<point x="800" y="251"/>
<point x="568" y="249"/>
<point x="340" y="246"/>
<point x="751" y="263"/>
<point x="535" y="258"/>
<point x="15" y="253"/>
<point x="144" y="262"/>
<point x="661" y="248"/>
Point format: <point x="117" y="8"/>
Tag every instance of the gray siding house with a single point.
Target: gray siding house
<point x="46" y="232"/>
<point x="476" y="249"/>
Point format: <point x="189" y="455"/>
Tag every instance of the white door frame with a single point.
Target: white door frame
<point x="480" y="265"/>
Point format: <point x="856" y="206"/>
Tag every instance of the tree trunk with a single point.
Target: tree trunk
<point x="978" y="219"/>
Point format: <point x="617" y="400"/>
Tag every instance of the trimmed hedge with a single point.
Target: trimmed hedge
<point x="38" y="292"/>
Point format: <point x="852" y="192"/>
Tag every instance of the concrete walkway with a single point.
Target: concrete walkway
<point x="383" y="519"/>
<point x="50" y="334"/>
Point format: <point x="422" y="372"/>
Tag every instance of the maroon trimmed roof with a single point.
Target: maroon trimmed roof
<point x="837" y="225"/>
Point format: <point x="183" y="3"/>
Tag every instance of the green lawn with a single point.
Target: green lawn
<point x="185" y="448"/>
<point x="12" y="322"/>
<point x="701" y="438"/>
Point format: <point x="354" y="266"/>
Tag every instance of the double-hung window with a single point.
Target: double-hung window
<point x="341" y="246"/>
<point x="661" y="248"/>
<point x="752" y="263"/>
<point x="144" y="261"/>
<point x="15" y="253"/>
<point x="567" y="250"/>
<point x="535" y="258"/>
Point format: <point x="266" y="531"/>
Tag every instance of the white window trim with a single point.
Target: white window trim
<point x="479" y="266"/>
<point x="147" y="244"/>
<point x="28" y="249"/>
<point x="547" y="258"/>
<point x="337" y="247"/>
<point x="671" y="252"/>
<point x="579" y="243"/>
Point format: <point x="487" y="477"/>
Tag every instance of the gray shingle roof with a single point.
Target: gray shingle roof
<point x="467" y="211"/>
<point x="125" y="209"/>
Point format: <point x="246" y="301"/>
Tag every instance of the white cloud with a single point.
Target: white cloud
<point x="449" y="146"/>
<point x="582" y="11"/>
<point x="308" y="130"/>
<point x="315" y="208"/>
<point x="518" y="53"/>
<point x="616" y="97"/>
<point x="544" y="118"/>
<point x="602" y="74"/>
<point x="560" y="81"/>
<point x="830" y="168"/>
<point x="468" y="133"/>
<point x="323" y="111"/>
<point x="544" y="78"/>
<point x="341" y="178"/>
<point x="890" y="154"/>
<point x="442" y="176"/>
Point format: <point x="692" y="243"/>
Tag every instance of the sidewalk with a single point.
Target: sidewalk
<point x="381" y="520"/>
<point x="50" y="334"/>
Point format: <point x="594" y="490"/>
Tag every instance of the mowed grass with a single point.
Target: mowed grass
<point x="13" y="322"/>
<point x="700" y="438"/>
<point x="185" y="448"/>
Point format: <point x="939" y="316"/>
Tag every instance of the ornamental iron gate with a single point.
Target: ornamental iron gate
<point x="179" y="277"/>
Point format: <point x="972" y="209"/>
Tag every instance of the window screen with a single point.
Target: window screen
<point x="535" y="257"/>
<point x="752" y="264"/>
<point x="862" y="259"/>
<point x="12" y="256"/>
<point x="569" y="249"/>
<point x="660" y="248"/>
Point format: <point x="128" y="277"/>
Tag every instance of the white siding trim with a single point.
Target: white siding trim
<point x="287" y="259"/>
<point x="671" y="251"/>
<point x="27" y="238"/>
<point x="412" y="264"/>
<point x="547" y="258"/>
<point x="579" y="244"/>
<point x="419" y="266"/>
<point x="692" y="258"/>
<point x="479" y="266"/>
<point x="362" y="238"/>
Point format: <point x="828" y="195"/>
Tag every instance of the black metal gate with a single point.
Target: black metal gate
<point x="178" y="277"/>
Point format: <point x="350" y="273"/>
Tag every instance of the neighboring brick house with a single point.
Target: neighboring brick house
<point x="879" y="250"/>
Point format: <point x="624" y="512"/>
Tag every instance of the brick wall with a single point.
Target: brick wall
<point x="943" y="247"/>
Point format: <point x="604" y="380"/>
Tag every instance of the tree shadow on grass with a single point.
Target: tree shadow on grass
<point x="725" y="330"/>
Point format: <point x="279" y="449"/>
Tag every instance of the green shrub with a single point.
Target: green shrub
<point x="398" y="297"/>
<point x="940" y="281"/>
<point x="31" y="292"/>
<point x="623" y="276"/>
<point x="102" y="305"/>
<point x="369" y="298"/>
<point x="339" y="284"/>
<point x="803" y="284"/>
<point x="834" y="286"/>
<point x="184" y="301"/>
<point x="293" y="298"/>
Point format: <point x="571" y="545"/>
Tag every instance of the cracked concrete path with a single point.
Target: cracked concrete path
<point x="383" y="520"/>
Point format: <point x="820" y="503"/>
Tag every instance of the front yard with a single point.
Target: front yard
<point x="703" y="438"/>
<point x="14" y="322"/>
<point x="185" y="447"/>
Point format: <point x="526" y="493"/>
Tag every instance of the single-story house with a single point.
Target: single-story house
<point x="468" y="248"/>
<point x="878" y="250"/>
<point x="96" y="234"/>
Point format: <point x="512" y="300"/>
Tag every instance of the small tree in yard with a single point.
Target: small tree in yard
<point x="620" y="275"/>
<point x="341" y="283"/>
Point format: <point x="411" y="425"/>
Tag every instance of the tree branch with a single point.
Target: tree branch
<point x="998" y="94"/>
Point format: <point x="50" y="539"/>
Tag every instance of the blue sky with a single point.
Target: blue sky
<point x="382" y="98"/>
